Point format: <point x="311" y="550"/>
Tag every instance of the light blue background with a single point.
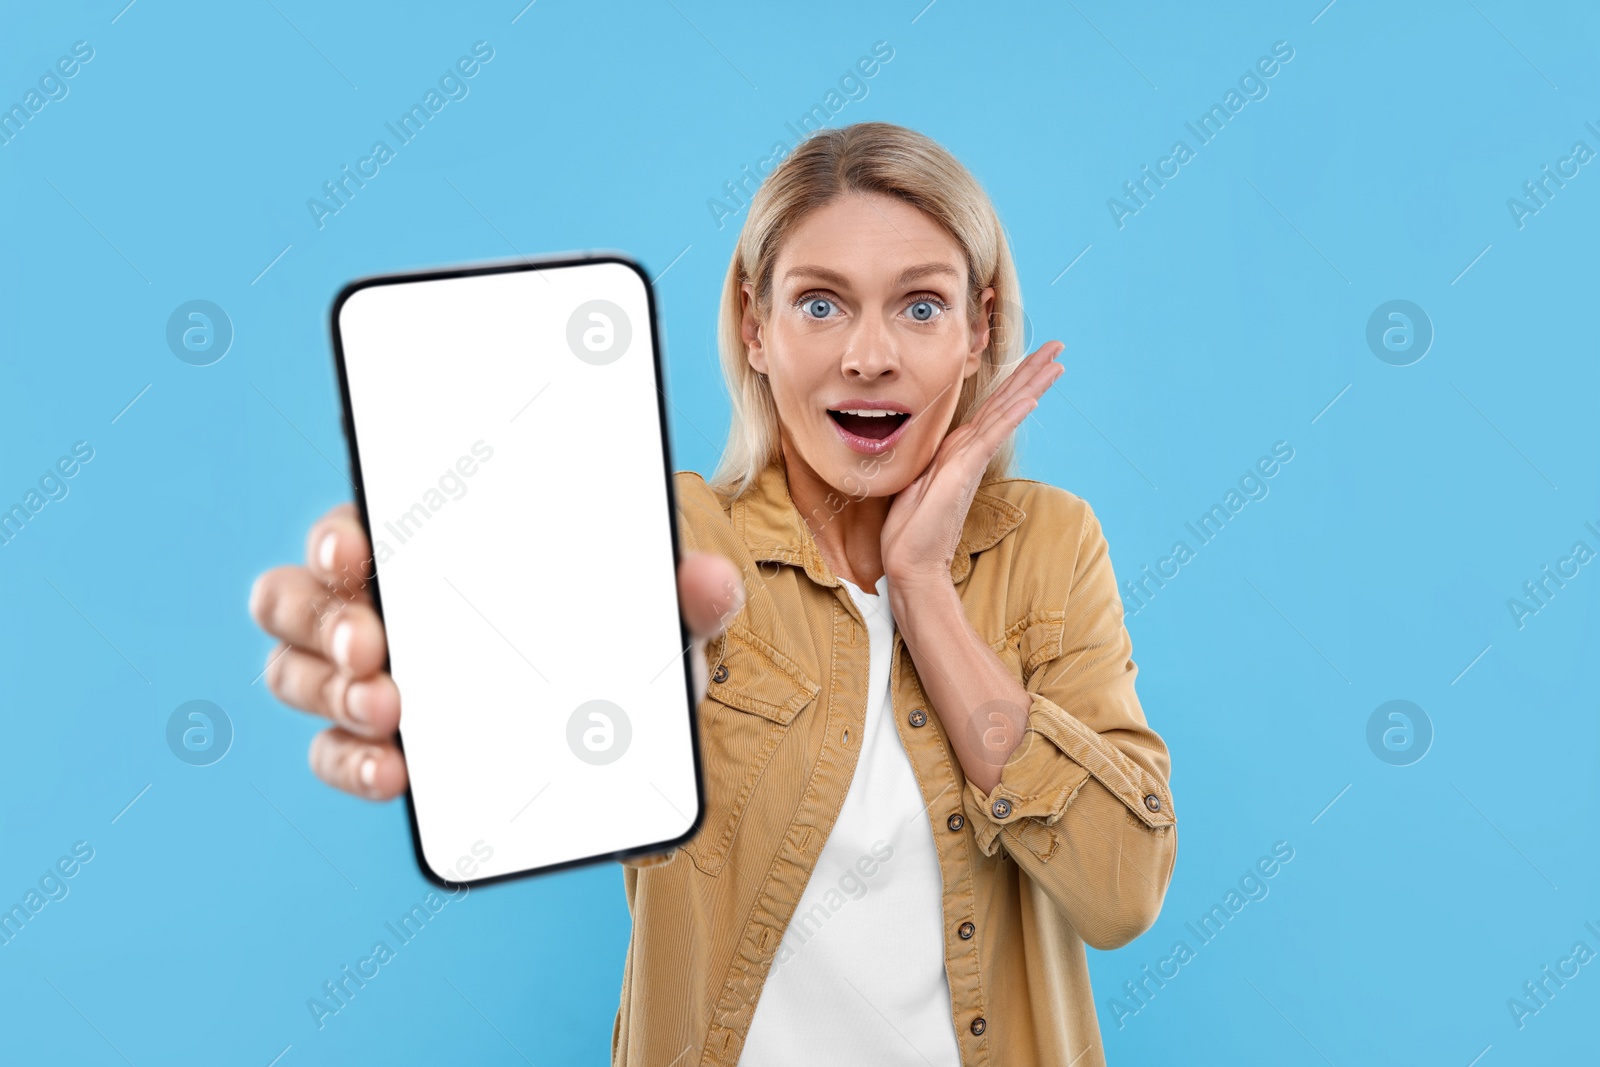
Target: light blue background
<point x="1226" y="315"/>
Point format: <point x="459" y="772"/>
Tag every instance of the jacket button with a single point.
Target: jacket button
<point x="957" y="821"/>
<point x="966" y="930"/>
<point x="918" y="717"/>
<point x="1001" y="808"/>
<point x="979" y="1026"/>
<point x="1152" y="802"/>
<point x="720" y="674"/>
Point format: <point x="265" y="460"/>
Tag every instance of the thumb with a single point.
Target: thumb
<point x="712" y="593"/>
<point x="710" y="589"/>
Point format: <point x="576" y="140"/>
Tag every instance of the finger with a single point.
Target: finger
<point x="1030" y="382"/>
<point x="338" y="554"/>
<point x="711" y="591"/>
<point x="305" y="680"/>
<point x="974" y="452"/>
<point x="291" y="605"/>
<point x="985" y="435"/>
<point x="1035" y="387"/>
<point x="1046" y="371"/>
<point x="972" y="444"/>
<point x="1011" y="419"/>
<point x="372" y="769"/>
<point x="698" y="668"/>
<point x="1037" y="360"/>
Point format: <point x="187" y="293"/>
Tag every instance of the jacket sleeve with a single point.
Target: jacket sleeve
<point x="1083" y="804"/>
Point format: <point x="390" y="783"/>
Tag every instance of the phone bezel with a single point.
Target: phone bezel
<point x="347" y="419"/>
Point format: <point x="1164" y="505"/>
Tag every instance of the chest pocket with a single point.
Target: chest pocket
<point x="1032" y="640"/>
<point x="754" y="694"/>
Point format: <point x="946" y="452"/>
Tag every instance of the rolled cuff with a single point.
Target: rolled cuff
<point x="1056" y="756"/>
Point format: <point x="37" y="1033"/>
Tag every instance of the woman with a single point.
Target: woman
<point x="929" y="781"/>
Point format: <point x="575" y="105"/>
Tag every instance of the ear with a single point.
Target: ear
<point x="750" y="328"/>
<point x="980" y="332"/>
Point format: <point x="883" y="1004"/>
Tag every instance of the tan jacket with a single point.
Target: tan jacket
<point x="1075" y="845"/>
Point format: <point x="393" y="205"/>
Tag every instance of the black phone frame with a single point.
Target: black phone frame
<point x="347" y="419"/>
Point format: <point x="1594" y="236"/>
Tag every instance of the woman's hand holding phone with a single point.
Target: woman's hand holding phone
<point x="332" y="651"/>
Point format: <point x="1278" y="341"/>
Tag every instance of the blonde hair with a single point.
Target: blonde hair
<point x="868" y="157"/>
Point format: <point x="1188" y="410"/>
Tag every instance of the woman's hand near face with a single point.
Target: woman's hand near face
<point x="924" y="523"/>
<point x="332" y="648"/>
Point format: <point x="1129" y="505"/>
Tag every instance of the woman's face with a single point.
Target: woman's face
<point x="868" y="312"/>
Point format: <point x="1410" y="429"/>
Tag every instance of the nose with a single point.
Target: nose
<point x="869" y="351"/>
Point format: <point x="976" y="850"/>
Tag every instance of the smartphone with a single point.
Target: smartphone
<point x="508" y="449"/>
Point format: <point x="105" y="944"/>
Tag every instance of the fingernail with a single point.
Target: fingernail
<point x="368" y="772"/>
<point x="355" y="704"/>
<point x="330" y="541"/>
<point x="343" y="632"/>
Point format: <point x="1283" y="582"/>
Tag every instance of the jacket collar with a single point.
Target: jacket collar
<point x="773" y="529"/>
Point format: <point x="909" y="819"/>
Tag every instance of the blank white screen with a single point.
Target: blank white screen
<point x="518" y="504"/>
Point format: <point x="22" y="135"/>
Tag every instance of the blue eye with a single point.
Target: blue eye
<point x="817" y="307"/>
<point x="925" y="310"/>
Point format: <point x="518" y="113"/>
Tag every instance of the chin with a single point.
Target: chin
<point x="859" y="477"/>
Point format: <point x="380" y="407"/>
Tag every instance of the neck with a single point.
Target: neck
<point x="847" y="529"/>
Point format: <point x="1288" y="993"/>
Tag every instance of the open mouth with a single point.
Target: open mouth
<point x="873" y="425"/>
<point x="869" y="431"/>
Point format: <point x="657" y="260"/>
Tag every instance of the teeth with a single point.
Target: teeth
<point x="868" y="414"/>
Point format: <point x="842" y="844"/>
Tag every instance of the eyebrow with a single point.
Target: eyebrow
<point x="907" y="276"/>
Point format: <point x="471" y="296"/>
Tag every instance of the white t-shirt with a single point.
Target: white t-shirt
<point x="859" y="976"/>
